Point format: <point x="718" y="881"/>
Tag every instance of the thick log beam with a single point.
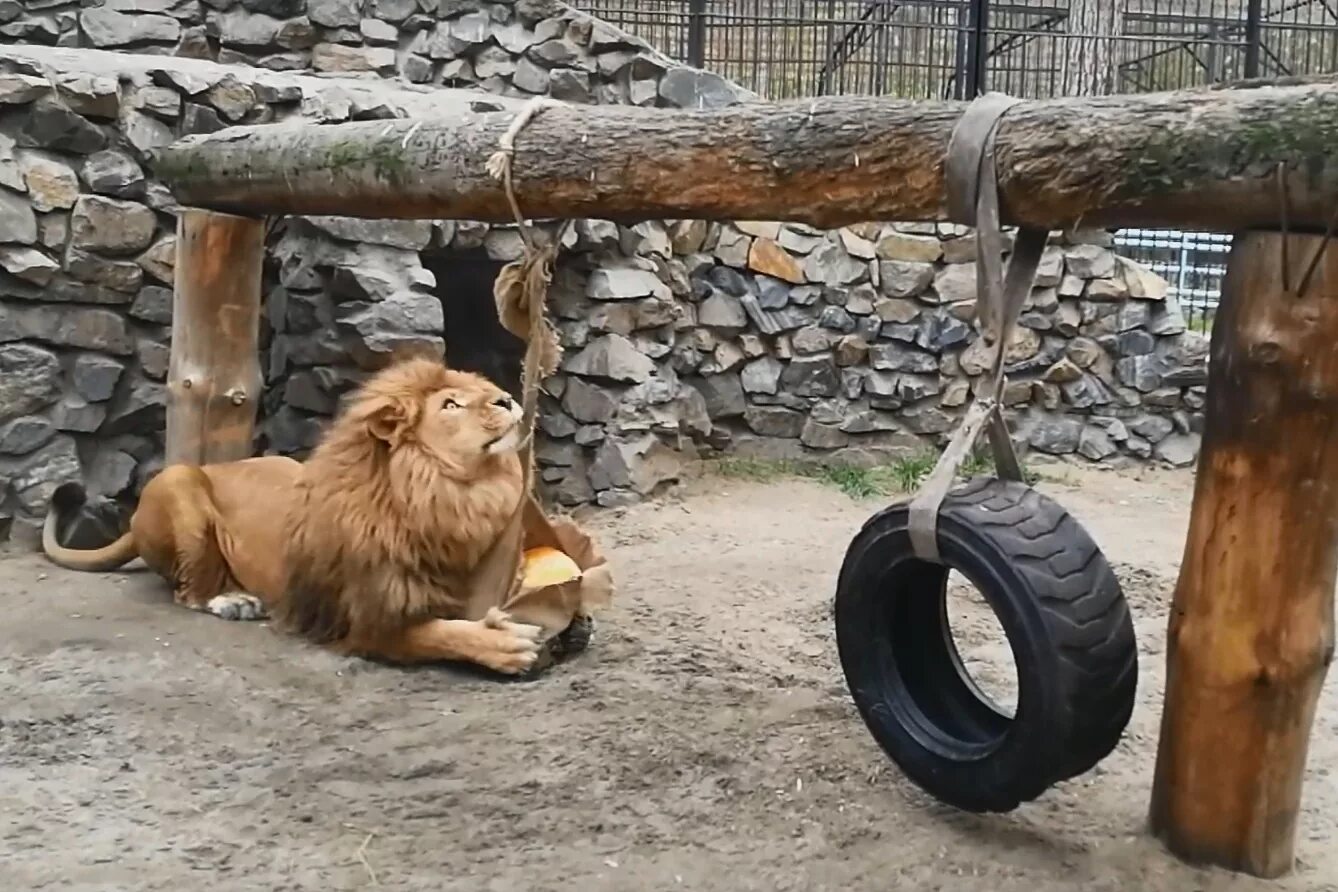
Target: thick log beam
<point x="1252" y="627"/>
<point x="213" y="378"/>
<point x="1203" y="159"/>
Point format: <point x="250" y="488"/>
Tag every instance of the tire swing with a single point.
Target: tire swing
<point x="1061" y="607"/>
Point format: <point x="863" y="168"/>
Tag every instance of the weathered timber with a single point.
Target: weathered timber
<point x="1199" y="159"/>
<point x="213" y="378"/>
<point x="1252" y="628"/>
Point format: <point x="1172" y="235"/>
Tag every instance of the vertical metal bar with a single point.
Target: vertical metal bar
<point x="977" y="56"/>
<point x="1254" y="36"/>
<point x="697" y="33"/>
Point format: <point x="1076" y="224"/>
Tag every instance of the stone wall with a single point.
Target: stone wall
<point x="508" y="47"/>
<point x="681" y="338"/>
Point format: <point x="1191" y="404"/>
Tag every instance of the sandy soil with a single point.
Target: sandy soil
<point x="705" y="742"/>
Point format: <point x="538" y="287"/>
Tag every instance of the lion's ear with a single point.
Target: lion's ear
<point x="387" y="421"/>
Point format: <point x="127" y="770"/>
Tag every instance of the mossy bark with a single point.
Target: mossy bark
<point x="1203" y="159"/>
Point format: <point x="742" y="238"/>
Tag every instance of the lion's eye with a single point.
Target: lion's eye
<point x="450" y="406"/>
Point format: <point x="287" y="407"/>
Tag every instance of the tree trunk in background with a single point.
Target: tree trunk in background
<point x="1088" y="56"/>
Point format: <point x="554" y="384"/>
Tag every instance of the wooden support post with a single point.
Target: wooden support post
<point x="213" y="379"/>
<point x="1252" y="627"/>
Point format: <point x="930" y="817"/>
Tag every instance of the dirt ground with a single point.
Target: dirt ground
<point x="705" y="742"/>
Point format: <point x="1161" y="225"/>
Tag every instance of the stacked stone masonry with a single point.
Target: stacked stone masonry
<point x="681" y="338"/>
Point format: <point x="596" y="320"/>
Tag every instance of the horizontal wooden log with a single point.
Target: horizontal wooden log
<point x="1203" y="159"/>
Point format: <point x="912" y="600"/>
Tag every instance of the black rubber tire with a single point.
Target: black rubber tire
<point x="1067" y="624"/>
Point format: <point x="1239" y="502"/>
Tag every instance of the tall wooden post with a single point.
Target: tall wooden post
<point x="1252" y="627"/>
<point x="213" y="378"/>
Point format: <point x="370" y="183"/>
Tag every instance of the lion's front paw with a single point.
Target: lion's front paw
<point x="237" y="606"/>
<point x="507" y="647"/>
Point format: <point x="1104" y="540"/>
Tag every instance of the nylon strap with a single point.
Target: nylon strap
<point x="973" y="200"/>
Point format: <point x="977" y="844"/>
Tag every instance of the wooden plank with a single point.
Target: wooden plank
<point x="1252" y="628"/>
<point x="213" y="377"/>
<point x="1197" y="158"/>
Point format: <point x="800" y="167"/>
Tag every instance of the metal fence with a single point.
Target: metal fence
<point x="955" y="49"/>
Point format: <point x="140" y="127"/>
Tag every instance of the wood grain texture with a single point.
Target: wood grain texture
<point x="1200" y="159"/>
<point x="213" y="378"/>
<point x="1252" y="628"/>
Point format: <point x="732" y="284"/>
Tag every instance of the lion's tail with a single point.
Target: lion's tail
<point x="109" y="557"/>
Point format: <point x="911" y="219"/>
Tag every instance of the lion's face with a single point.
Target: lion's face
<point x="459" y="417"/>
<point x="470" y="417"/>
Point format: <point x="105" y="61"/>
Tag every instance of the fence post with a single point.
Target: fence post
<point x="977" y="50"/>
<point x="697" y="33"/>
<point x="1254" y="36"/>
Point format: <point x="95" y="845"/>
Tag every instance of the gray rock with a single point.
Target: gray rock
<point x="18" y="223"/>
<point x="643" y="465"/>
<point x="75" y="414"/>
<point x="1165" y="319"/>
<point x="530" y="77"/>
<point x="335" y="13"/>
<point x="24" y="434"/>
<point x="1143" y="373"/>
<point x="823" y="436"/>
<point x="111" y="226"/>
<point x="837" y="319"/>
<point x="625" y="284"/>
<point x="1096" y="444"/>
<point x="113" y="173"/>
<point x="1138" y="447"/>
<point x="587" y="402"/>
<point x="956" y="283"/>
<point x="830" y="264"/>
<point x="570" y="85"/>
<point x="896" y="358"/>
<point x="36" y="478"/>
<point x="695" y="89"/>
<point x="95" y="376"/>
<point x="197" y="118"/>
<point x="52" y="125"/>
<point x="774" y="421"/>
<point x="722" y="393"/>
<point x="21" y="89"/>
<point x="112" y="472"/>
<point x="145" y="134"/>
<point x="231" y="98"/>
<point x="898" y="278"/>
<point x="812" y="339"/>
<point x="1152" y="428"/>
<point x="153" y="304"/>
<point x="811" y="377"/>
<point x="52" y="184"/>
<point x="119" y="275"/>
<point x="410" y="235"/>
<point x="1059" y="436"/>
<point x="104" y="27"/>
<point x="1135" y="343"/>
<point x="762" y="375"/>
<point x="1090" y="262"/>
<point x="153" y="358"/>
<point x="140" y="410"/>
<point x="1086" y="392"/>
<point x="28" y="264"/>
<point x="722" y="311"/>
<point x="29" y="379"/>
<point x="926" y="420"/>
<point x="290" y="432"/>
<point x="612" y="357"/>
<point x="1178" y="450"/>
<point x="416" y="69"/>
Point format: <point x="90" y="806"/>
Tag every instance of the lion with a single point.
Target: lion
<point x="366" y="547"/>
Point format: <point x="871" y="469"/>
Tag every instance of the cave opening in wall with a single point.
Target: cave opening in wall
<point x="474" y="336"/>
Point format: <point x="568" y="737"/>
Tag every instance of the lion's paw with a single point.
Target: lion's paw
<point x="237" y="606"/>
<point x="511" y="648"/>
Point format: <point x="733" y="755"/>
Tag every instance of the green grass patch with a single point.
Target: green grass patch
<point x="899" y="477"/>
